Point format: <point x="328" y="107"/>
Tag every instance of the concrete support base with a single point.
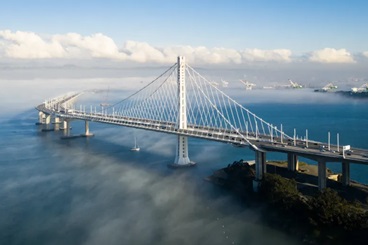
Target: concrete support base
<point x="56" y="120"/>
<point x="57" y="127"/>
<point x="87" y="135"/>
<point x="293" y="162"/>
<point x="260" y="164"/>
<point x="43" y="118"/>
<point x="174" y="165"/>
<point x="48" y="119"/>
<point x="67" y="137"/>
<point x="86" y="132"/>
<point x="260" y="161"/>
<point x="345" y="173"/>
<point x="66" y="128"/>
<point x="65" y="125"/>
<point x="41" y="115"/>
<point x="47" y="129"/>
<point x="56" y="123"/>
<point x="322" y="180"/>
<point x="182" y="158"/>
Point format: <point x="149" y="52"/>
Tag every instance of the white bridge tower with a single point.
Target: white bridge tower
<point x="182" y="157"/>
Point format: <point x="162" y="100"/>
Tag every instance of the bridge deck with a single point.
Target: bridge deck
<point x="315" y="150"/>
<point x="241" y="139"/>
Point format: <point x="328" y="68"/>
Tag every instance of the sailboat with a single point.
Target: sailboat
<point x="136" y="147"/>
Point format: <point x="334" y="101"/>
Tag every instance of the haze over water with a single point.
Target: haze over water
<point x="96" y="191"/>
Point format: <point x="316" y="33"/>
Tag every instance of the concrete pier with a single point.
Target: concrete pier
<point x="65" y="125"/>
<point x="86" y="130"/>
<point x="345" y="173"/>
<point x="260" y="162"/>
<point x="47" y="119"/>
<point x="41" y="116"/>
<point x="56" y="123"/>
<point x="56" y="120"/>
<point x="322" y="176"/>
<point x="293" y="162"/>
<point x="182" y="156"/>
<point x="66" y="128"/>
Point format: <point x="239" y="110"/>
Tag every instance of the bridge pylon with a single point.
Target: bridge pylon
<point x="182" y="157"/>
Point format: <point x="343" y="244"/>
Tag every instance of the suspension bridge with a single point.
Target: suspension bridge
<point x="181" y="101"/>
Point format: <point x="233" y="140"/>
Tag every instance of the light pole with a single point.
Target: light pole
<point x="306" y="138"/>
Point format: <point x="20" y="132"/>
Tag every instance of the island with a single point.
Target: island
<point x="290" y="201"/>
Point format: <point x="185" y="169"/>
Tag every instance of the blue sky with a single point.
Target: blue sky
<point x="298" y="26"/>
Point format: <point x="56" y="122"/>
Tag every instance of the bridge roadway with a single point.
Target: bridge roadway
<point x="56" y="104"/>
<point x="260" y="143"/>
<point x="314" y="150"/>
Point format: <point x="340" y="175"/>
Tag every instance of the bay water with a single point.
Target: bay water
<point x="96" y="191"/>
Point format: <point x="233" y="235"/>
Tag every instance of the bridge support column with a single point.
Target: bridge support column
<point x="86" y="131"/>
<point x="182" y="157"/>
<point x="56" y="123"/>
<point x="293" y="162"/>
<point x="260" y="162"/>
<point x="345" y="173"/>
<point x="47" y="119"/>
<point x="65" y="124"/>
<point x="322" y="176"/>
<point x="56" y="120"/>
<point x="41" y="117"/>
<point x="66" y="127"/>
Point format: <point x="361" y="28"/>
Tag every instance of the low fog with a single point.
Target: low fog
<point x="39" y="81"/>
<point x="95" y="191"/>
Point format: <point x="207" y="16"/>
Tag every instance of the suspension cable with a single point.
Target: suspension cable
<point x="171" y="67"/>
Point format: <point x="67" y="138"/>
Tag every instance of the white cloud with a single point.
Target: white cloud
<point x="365" y="54"/>
<point x="96" y="45"/>
<point x="281" y="55"/>
<point x="330" y="55"/>
<point x="201" y="54"/>
<point x="218" y="55"/>
<point x="29" y="45"/>
<point x="142" y="52"/>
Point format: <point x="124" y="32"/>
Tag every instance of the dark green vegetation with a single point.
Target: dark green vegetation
<point x="321" y="218"/>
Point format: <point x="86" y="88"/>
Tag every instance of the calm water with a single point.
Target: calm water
<point x="96" y="191"/>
